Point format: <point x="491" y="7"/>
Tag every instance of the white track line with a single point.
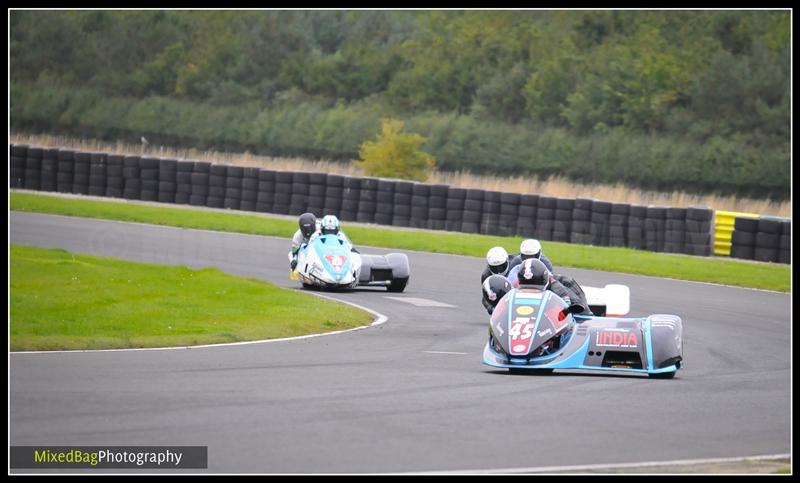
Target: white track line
<point x="379" y="319"/>
<point x="645" y="464"/>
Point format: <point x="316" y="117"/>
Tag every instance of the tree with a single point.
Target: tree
<point x="394" y="154"/>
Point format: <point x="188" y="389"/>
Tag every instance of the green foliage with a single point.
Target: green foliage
<point x="489" y="88"/>
<point x="60" y="300"/>
<point x="395" y="154"/>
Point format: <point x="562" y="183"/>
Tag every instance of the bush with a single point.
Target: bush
<point x="394" y="154"/>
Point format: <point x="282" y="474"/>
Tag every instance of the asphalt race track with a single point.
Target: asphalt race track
<point x="409" y="395"/>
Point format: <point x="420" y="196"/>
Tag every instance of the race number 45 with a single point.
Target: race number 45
<point x="521" y="328"/>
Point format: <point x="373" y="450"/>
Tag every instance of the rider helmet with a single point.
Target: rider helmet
<point x="494" y="288"/>
<point x="533" y="274"/>
<point x="330" y="225"/>
<point x="497" y="258"/>
<point x="308" y="224"/>
<point x="530" y="248"/>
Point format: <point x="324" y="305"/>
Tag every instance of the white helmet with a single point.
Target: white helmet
<point x="530" y="248"/>
<point x="329" y="225"/>
<point x="497" y="258"/>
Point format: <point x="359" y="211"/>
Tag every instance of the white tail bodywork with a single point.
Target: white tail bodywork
<point x="615" y="297"/>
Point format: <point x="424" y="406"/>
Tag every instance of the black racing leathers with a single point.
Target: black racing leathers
<point x="566" y="287"/>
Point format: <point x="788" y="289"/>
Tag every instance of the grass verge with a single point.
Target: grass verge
<point x="767" y="276"/>
<point x="64" y="301"/>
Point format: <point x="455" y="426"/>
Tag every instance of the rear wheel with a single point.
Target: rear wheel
<point x="397" y="285"/>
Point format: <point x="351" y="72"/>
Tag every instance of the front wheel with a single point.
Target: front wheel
<point x="397" y="285"/>
<point x="535" y="372"/>
<point x="663" y="375"/>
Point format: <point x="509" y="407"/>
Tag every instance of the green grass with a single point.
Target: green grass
<point x="768" y="276"/>
<point x="64" y="301"/>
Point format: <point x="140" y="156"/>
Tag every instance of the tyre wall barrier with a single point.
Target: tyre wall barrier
<point x="723" y="230"/>
<point x="695" y="230"/>
<point x="764" y="239"/>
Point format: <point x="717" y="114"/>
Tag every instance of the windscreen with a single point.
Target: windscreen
<point x="525" y="320"/>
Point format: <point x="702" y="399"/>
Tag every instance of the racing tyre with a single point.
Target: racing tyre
<point x="536" y="372"/>
<point x="397" y="285"/>
<point x="663" y="375"/>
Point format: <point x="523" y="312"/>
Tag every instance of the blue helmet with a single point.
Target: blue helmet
<point x="329" y="225"/>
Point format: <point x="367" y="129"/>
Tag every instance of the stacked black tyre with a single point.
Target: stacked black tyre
<point x="562" y="222"/>
<point x="80" y="183"/>
<point x="17" y="163"/>
<point x="167" y="180"/>
<point x="217" y="179"/>
<point x="33" y="169"/>
<point x="437" y="207"/>
<point x="618" y="224"/>
<point x="350" y="197"/>
<point x="334" y="191"/>
<point x="183" y="182"/>
<point x="283" y="192"/>
<point x="201" y="183"/>
<point x="785" y="244"/>
<point x="635" y="228"/>
<point x="768" y="240"/>
<point x="580" y="230"/>
<point x="601" y="222"/>
<point x="114" y="180"/>
<point x="50" y="170"/>
<point x="66" y="171"/>
<point x="655" y="228"/>
<point x="490" y="213"/>
<point x="233" y="187"/>
<point x="249" y="189"/>
<point x="473" y="211"/>
<point x="298" y="203"/>
<point x="743" y="238"/>
<point x="367" y="200"/>
<point x="132" y="182"/>
<point x="546" y="217"/>
<point x="384" y="202"/>
<point x="266" y="191"/>
<point x="401" y="213"/>
<point x="419" y="205"/>
<point x="509" y="213"/>
<point x="149" y="168"/>
<point x="526" y="215"/>
<point x="455" y="209"/>
<point x="317" y="185"/>
<point x="675" y="230"/>
<point x="699" y="228"/>
<point x="97" y="174"/>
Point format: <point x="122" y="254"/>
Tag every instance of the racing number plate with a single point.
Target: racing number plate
<point x="521" y="334"/>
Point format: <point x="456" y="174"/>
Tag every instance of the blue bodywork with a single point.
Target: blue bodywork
<point x="648" y="345"/>
<point x="331" y="245"/>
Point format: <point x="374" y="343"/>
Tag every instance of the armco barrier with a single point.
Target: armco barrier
<point x="694" y="230"/>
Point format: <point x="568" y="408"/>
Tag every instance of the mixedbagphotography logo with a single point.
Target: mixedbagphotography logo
<point x="109" y="457"/>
